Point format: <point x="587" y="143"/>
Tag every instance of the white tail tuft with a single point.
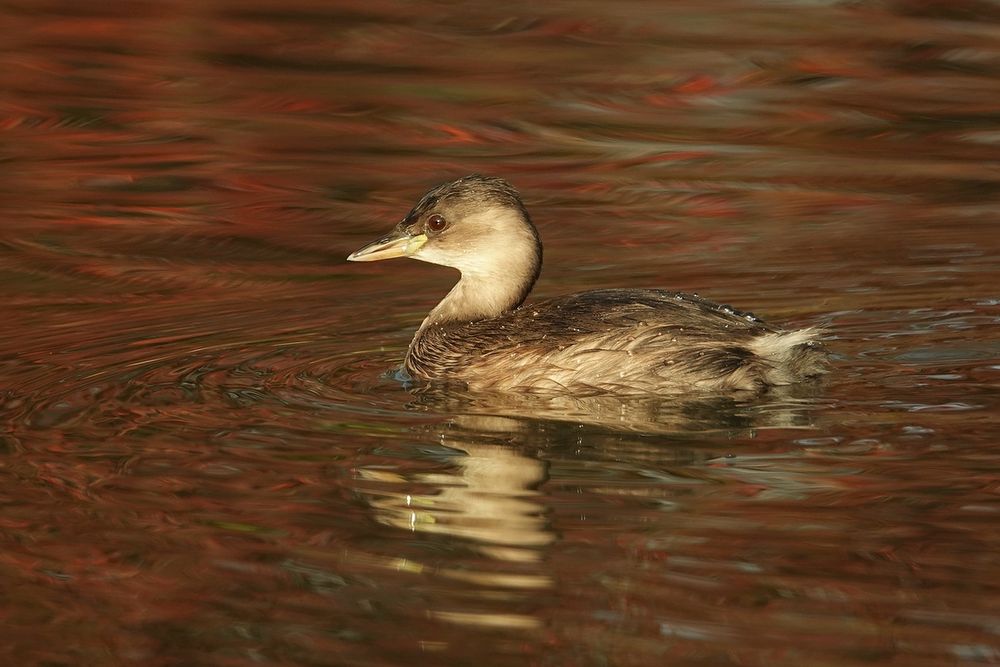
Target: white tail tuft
<point x="792" y="355"/>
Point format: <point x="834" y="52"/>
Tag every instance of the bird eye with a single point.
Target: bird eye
<point x="436" y="223"/>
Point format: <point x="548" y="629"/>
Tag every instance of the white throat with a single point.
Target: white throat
<point x="498" y="263"/>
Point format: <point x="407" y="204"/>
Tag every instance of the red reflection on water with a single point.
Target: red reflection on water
<point x="203" y="464"/>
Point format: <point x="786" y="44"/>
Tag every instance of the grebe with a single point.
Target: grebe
<point x="622" y="341"/>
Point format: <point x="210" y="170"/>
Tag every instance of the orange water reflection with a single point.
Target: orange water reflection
<point x="202" y="461"/>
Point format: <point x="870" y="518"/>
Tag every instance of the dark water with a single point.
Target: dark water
<point x="203" y="462"/>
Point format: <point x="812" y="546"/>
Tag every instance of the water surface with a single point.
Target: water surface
<point x="204" y="460"/>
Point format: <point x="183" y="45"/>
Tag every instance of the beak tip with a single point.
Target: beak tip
<point x="389" y="247"/>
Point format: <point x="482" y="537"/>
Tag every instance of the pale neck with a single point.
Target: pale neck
<point x="497" y="273"/>
<point x="475" y="298"/>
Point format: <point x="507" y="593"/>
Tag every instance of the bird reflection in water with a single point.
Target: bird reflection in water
<point x="488" y="496"/>
<point x="488" y="501"/>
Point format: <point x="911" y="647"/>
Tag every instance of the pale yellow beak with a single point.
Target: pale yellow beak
<point x="396" y="244"/>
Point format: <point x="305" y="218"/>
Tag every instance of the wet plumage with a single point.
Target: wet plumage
<point x="624" y="341"/>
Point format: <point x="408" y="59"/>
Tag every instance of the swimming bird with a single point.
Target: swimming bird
<point x="482" y="335"/>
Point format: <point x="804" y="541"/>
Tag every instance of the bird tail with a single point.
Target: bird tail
<point x="791" y="355"/>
